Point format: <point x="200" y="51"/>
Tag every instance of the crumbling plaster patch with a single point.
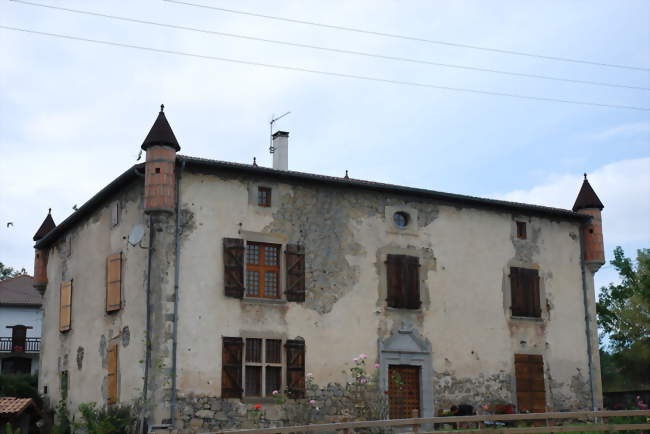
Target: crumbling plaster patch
<point x="320" y="219"/>
<point x="478" y="390"/>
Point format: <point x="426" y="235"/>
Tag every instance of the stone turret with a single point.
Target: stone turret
<point x="41" y="255"/>
<point x="588" y="202"/>
<point x="160" y="177"/>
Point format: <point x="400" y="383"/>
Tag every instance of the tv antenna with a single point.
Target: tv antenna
<point x="273" y="120"/>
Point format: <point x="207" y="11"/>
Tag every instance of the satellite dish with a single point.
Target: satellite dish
<point x="136" y="234"/>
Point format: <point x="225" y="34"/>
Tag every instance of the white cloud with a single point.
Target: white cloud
<point x="623" y="187"/>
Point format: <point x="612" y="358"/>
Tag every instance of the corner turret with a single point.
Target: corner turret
<point x="160" y="177"/>
<point x="588" y="203"/>
<point x="41" y="255"/>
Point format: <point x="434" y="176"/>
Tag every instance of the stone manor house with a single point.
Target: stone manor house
<point x="202" y="286"/>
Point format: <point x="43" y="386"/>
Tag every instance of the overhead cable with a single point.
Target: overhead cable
<point x="328" y="73"/>
<point x="334" y="50"/>
<point x="411" y="38"/>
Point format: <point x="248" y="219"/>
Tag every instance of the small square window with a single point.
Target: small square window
<point x="264" y="196"/>
<point x="521" y="230"/>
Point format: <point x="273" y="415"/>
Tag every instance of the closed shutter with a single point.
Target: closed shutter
<point x="114" y="282"/>
<point x="517" y="292"/>
<point x="524" y="286"/>
<point x="112" y="377"/>
<point x="295" y="263"/>
<point x="529" y="373"/>
<point x="411" y="277"/>
<point x="233" y="261"/>
<point x="393" y="280"/>
<point x="231" y="368"/>
<point x="403" y="281"/>
<point x="65" y="306"/>
<point x="531" y="282"/>
<point x="295" y="368"/>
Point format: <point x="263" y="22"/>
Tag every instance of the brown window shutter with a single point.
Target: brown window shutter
<point x="411" y="278"/>
<point x="394" y="280"/>
<point x="295" y="368"/>
<point x="65" y="306"/>
<point x="529" y="373"/>
<point x="18" y="338"/>
<point x="112" y="377"/>
<point x="114" y="282"/>
<point x="295" y="263"/>
<point x="233" y="261"/>
<point x="231" y="368"/>
<point x="517" y="292"/>
<point x="532" y="289"/>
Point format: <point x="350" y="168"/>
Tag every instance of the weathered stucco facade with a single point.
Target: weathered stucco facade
<point x="463" y="338"/>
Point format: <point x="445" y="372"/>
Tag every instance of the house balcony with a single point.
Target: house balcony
<point x="26" y="345"/>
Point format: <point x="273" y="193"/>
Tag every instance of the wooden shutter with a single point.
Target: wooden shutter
<point x="231" y="368"/>
<point x="295" y="368"/>
<point x="295" y="263"/>
<point x="403" y="281"/>
<point x="531" y="283"/>
<point x="525" y="297"/>
<point x="233" y="262"/>
<point x="112" y="377"/>
<point x="65" y="306"/>
<point x="529" y="373"/>
<point x="114" y="282"/>
<point x="393" y="280"/>
<point x="411" y="277"/>
<point x="18" y="338"/>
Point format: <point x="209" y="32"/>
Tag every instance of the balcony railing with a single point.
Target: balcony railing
<point x="29" y="345"/>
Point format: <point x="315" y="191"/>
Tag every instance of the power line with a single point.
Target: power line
<point x="334" y="50"/>
<point x="329" y="73"/>
<point x="411" y="38"/>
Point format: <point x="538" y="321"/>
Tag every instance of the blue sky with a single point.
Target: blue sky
<point x="73" y="114"/>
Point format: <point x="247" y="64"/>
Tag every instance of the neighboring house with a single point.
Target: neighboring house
<point x="20" y="325"/>
<point x="202" y="286"/>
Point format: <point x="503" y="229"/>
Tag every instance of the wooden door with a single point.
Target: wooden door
<point x="529" y="372"/>
<point x="403" y="391"/>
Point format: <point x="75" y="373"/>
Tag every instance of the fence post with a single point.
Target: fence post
<point x="346" y="430"/>
<point x="415" y="413"/>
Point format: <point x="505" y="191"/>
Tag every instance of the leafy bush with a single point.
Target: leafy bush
<point x="114" y="419"/>
<point x="20" y="386"/>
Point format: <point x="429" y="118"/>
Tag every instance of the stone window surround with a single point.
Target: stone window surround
<point x="412" y="226"/>
<point x="382" y="254"/>
<point x="406" y="346"/>
<point x="268" y="238"/>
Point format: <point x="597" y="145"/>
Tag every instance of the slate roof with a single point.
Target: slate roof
<point x="19" y="291"/>
<point x="47" y="225"/>
<point x="14" y="406"/>
<point x="587" y="197"/>
<point x="161" y="133"/>
<point x="216" y="166"/>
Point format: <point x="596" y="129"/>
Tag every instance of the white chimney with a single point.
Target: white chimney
<point x="281" y="150"/>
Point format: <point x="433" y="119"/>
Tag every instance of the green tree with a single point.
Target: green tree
<point x="624" y="317"/>
<point x="7" y="272"/>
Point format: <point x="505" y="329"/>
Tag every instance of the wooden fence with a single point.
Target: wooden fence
<point x="495" y="423"/>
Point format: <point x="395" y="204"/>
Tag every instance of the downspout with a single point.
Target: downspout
<point x="145" y="419"/>
<point x="585" y="301"/>
<point x="177" y="247"/>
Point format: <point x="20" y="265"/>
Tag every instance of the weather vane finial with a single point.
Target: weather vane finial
<point x="585" y="176"/>
<point x="162" y="108"/>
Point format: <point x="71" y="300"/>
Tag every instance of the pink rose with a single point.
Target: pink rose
<point x="356" y="359"/>
<point x="312" y="401"/>
<point x="309" y="375"/>
<point x="376" y="365"/>
<point x="363" y="356"/>
<point x="275" y="392"/>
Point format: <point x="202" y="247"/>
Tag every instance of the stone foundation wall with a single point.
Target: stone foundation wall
<point x="333" y="403"/>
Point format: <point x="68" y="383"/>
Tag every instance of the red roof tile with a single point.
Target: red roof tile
<point x="14" y="406"/>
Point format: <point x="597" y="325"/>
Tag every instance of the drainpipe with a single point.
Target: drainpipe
<point x="145" y="419"/>
<point x="177" y="247"/>
<point x="590" y="355"/>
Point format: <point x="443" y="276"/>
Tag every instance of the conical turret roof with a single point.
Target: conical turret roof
<point x="46" y="226"/>
<point x="587" y="197"/>
<point x="161" y="133"/>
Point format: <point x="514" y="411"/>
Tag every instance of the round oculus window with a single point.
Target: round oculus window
<point x="401" y="219"/>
